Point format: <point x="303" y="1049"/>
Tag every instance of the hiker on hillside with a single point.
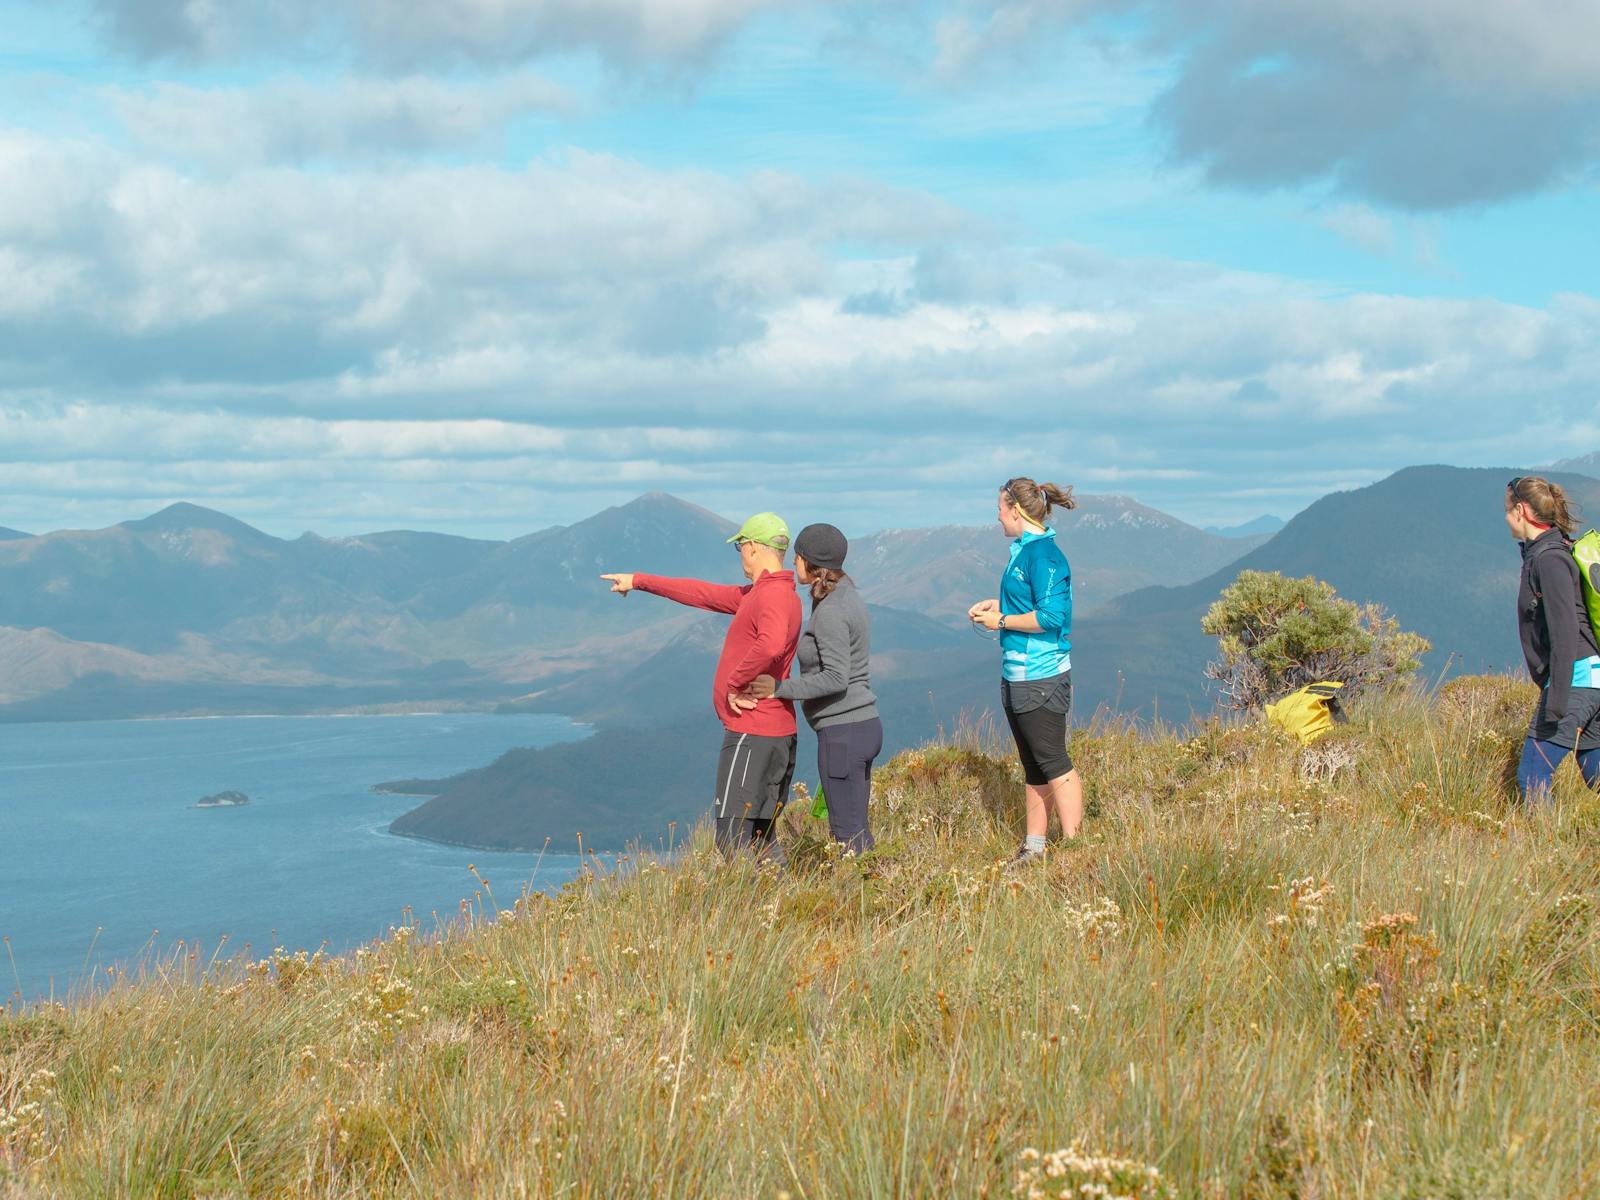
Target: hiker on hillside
<point x="758" y="743"/>
<point x="1558" y="641"/>
<point x="833" y="685"/>
<point x="1033" y="615"/>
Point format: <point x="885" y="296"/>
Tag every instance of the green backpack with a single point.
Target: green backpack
<point x="1587" y="551"/>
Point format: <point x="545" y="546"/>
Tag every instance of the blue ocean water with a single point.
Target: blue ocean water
<point x="98" y="831"/>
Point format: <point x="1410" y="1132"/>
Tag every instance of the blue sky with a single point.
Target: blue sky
<point x="488" y="265"/>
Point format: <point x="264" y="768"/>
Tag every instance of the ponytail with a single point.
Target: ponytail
<point x="1547" y="502"/>
<point x="1056" y="496"/>
<point x="823" y="581"/>
<point x="1037" y="499"/>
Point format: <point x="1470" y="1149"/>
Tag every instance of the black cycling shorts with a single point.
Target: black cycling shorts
<point x="1037" y="712"/>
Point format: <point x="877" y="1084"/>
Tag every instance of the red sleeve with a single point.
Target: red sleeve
<point x="771" y="638"/>
<point x="696" y="593"/>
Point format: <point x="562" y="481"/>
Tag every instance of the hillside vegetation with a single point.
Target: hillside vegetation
<point x="1359" y="970"/>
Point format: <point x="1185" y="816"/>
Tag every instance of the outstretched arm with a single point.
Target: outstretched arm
<point x="696" y="593"/>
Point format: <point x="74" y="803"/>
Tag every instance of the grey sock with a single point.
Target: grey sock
<point x="1033" y="842"/>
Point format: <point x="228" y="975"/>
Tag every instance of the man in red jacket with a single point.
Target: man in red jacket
<point x="757" y="760"/>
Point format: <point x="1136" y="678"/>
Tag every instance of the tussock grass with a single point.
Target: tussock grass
<point x="1262" y="972"/>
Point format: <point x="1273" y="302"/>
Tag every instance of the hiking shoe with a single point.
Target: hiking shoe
<point x="1024" y="857"/>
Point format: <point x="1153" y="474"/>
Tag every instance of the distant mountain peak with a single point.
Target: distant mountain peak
<point x="656" y="501"/>
<point x="1585" y="464"/>
<point x="12" y="535"/>
<point x="183" y="516"/>
<point x="1107" y="499"/>
<point x="653" y="507"/>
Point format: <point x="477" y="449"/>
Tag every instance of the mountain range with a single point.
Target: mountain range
<point x="191" y="610"/>
<point x="1585" y="464"/>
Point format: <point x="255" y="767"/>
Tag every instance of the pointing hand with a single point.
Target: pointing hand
<point x="622" y="584"/>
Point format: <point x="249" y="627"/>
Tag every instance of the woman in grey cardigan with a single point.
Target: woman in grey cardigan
<point x="833" y="686"/>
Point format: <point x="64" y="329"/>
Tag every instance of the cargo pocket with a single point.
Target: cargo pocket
<point x="835" y="748"/>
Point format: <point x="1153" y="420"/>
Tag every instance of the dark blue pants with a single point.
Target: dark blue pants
<point x="1537" y="770"/>
<point x="844" y="764"/>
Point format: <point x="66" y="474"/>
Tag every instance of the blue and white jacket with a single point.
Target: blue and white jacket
<point x="1037" y="580"/>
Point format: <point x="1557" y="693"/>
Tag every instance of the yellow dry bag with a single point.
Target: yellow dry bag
<point x="1308" y="713"/>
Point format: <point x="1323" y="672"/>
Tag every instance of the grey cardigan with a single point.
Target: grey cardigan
<point x="833" y="656"/>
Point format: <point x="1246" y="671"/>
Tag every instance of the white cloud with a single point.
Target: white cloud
<point x="294" y="121"/>
<point x="1547" y="48"/>
<point x="1357" y="223"/>
<point x="406" y="36"/>
<point x="1427" y="105"/>
<point x="523" y="344"/>
<point x="138" y="272"/>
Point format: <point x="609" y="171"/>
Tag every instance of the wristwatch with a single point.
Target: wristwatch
<point x="1002" y="622"/>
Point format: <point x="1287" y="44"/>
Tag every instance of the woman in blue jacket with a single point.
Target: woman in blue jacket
<point x="1033" y="615"/>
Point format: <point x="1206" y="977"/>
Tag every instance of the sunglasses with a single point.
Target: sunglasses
<point x="1512" y="486"/>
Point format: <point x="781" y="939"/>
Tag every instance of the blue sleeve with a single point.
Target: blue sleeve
<point x="1050" y="579"/>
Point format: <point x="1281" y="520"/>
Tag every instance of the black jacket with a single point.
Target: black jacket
<point x="1553" y="621"/>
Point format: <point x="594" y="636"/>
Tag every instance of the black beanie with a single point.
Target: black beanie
<point x="822" y="546"/>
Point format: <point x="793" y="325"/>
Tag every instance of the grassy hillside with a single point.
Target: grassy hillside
<point x="1360" y="971"/>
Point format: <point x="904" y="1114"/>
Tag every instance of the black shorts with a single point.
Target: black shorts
<point x="753" y="776"/>
<point x="1037" y="712"/>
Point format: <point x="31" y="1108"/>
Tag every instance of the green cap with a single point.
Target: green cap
<point x="766" y="528"/>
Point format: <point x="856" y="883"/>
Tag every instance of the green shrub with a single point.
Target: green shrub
<point x="1278" y="634"/>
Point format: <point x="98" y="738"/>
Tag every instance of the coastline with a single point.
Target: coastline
<point x="538" y="851"/>
<point x="483" y="711"/>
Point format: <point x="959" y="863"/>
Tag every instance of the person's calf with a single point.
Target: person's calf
<point x="1067" y="794"/>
